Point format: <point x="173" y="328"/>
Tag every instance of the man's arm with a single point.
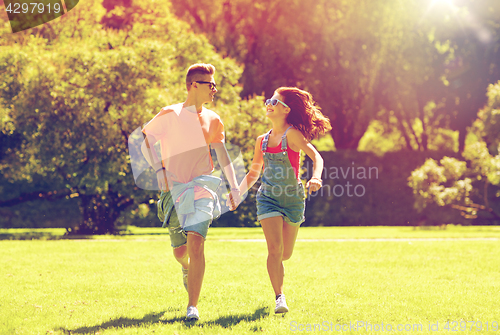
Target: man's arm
<point x="149" y="153"/>
<point x="154" y="161"/>
<point x="225" y="163"/>
<point x="156" y="127"/>
<point x="228" y="169"/>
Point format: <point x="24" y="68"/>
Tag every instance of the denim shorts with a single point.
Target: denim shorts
<point x="198" y="222"/>
<point x="287" y="201"/>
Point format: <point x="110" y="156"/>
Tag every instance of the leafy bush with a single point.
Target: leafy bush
<point x="470" y="185"/>
<point x="72" y="99"/>
<point x="375" y="194"/>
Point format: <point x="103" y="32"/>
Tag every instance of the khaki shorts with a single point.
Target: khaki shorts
<point x="179" y="225"/>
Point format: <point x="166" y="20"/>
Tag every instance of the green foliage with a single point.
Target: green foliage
<point x="408" y="77"/>
<point x="485" y="153"/>
<point x="324" y="143"/>
<point x="388" y="136"/>
<point x="487" y="124"/>
<point x="310" y="44"/>
<point x="42" y="205"/>
<point x="464" y="184"/>
<point x="376" y="193"/>
<point x="483" y="164"/>
<point x="418" y="67"/>
<point x="243" y="122"/>
<point x="431" y="177"/>
<point x="86" y="89"/>
<point x="380" y="138"/>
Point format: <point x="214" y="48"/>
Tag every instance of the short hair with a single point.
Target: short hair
<point x="197" y="70"/>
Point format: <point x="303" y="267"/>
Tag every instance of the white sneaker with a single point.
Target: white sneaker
<point x="185" y="278"/>
<point x="281" y="306"/>
<point x="192" y="313"/>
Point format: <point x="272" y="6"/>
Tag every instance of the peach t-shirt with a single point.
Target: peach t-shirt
<point x="185" y="136"/>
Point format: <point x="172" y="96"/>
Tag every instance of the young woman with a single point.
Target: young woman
<point x="281" y="198"/>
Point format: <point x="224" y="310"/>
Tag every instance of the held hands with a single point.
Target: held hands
<point x="313" y="185"/>
<point x="233" y="199"/>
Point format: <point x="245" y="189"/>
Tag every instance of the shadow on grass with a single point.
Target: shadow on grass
<point x="161" y="318"/>
<point x="49" y="236"/>
<point x="145" y="234"/>
<point x="40" y="236"/>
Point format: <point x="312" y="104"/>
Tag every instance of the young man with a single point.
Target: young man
<point x="185" y="132"/>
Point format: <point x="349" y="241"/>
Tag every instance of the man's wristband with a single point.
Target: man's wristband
<point x="162" y="168"/>
<point x="235" y="189"/>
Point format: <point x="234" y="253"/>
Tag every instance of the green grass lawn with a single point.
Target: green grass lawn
<point x="131" y="284"/>
<point x="310" y="233"/>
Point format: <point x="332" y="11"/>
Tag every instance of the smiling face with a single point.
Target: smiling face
<point x="279" y="110"/>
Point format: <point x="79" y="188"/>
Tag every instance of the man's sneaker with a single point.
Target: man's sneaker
<point x="192" y="313"/>
<point x="185" y="277"/>
<point x="281" y="306"/>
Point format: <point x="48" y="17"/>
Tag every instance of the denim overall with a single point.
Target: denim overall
<point x="280" y="193"/>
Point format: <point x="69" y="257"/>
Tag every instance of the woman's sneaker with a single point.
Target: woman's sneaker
<point x="192" y="313"/>
<point x="281" y="306"/>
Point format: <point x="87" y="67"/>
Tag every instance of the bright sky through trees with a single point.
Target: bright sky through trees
<point x="463" y="16"/>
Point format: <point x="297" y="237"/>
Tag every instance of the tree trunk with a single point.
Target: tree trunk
<point x="403" y="131"/>
<point x="424" y="136"/>
<point x="343" y="128"/>
<point x="99" y="213"/>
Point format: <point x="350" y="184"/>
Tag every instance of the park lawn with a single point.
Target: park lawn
<point x="133" y="286"/>
<point x="314" y="233"/>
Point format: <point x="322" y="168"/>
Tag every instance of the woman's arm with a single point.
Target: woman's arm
<point x="254" y="173"/>
<point x="297" y="141"/>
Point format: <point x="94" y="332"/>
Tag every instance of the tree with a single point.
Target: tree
<point x="472" y="37"/>
<point x="458" y="56"/>
<point x="466" y="185"/>
<point x="73" y="105"/>
<point x="363" y="61"/>
<point x="309" y="44"/>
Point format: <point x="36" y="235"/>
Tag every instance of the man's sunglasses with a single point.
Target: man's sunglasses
<point x="212" y="85"/>
<point x="274" y="102"/>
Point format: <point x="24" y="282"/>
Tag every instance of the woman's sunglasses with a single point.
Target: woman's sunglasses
<point x="274" y="102"/>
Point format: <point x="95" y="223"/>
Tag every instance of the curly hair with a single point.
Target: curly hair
<point x="305" y="115"/>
